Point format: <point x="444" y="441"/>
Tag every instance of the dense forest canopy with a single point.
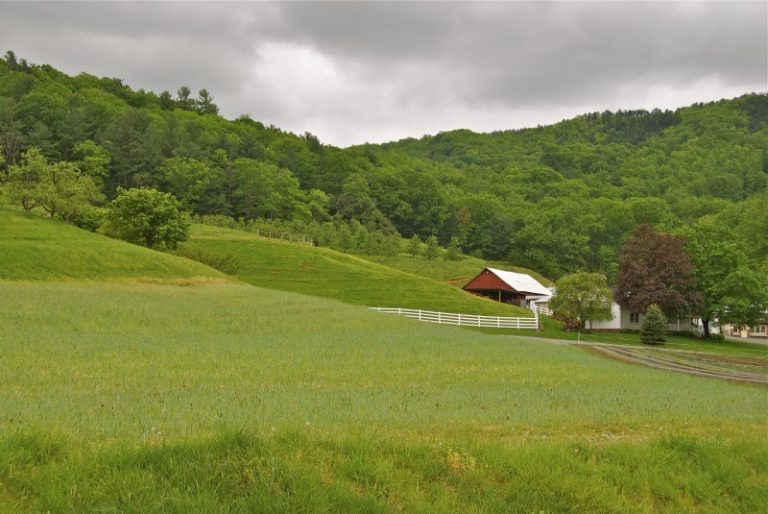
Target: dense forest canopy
<point x="557" y="199"/>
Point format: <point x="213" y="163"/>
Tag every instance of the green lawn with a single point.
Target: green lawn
<point x="33" y="248"/>
<point x="327" y="273"/>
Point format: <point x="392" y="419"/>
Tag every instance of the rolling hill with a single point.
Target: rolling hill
<point x="39" y="249"/>
<point x="330" y="274"/>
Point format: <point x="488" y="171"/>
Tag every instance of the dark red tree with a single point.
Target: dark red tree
<point x="655" y="268"/>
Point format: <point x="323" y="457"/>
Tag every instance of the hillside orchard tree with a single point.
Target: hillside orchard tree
<point x="453" y="252"/>
<point x="654" y="327"/>
<point x="147" y="217"/>
<point x="59" y="188"/>
<point x="2" y="177"/>
<point x="414" y="246"/>
<point x="432" y="249"/>
<point x="583" y="297"/>
<point x="654" y="268"/>
<point x="68" y="193"/>
<point x="24" y="181"/>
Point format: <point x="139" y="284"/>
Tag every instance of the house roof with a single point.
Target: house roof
<point x="521" y="282"/>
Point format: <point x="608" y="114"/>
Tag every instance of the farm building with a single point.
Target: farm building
<point x="623" y="319"/>
<point x="760" y="329"/>
<point x="507" y="287"/>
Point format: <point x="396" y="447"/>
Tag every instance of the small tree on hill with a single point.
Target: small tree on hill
<point x="59" y="188"/>
<point x="654" y="327"/>
<point x="432" y="250"/>
<point x="453" y="252"/>
<point x="414" y="246"/>
<point x="147" y="217"/>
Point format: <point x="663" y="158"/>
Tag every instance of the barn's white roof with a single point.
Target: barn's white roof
<point x="521" y="282"/>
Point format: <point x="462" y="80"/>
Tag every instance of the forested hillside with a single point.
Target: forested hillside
<point x="555" y="199"/>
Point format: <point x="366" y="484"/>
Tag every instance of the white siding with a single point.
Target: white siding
<point x="612" y="324"/>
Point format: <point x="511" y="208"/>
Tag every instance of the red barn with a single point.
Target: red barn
<point x="507" y="287"/>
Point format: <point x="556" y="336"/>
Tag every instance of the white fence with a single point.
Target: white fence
<point x="462" y="320"/>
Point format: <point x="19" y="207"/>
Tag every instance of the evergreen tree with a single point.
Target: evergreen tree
<point x="166" y="101"/>
<point x="654" y="326"/>
<point x="205" y="103"/>
<point x="184" y="100"/>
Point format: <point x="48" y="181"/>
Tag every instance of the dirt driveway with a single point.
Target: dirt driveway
<point x="739" y="369"/>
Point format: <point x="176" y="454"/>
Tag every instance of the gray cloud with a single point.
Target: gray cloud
<point x="354" y="72"/>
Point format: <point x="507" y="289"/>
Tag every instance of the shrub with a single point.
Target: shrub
<point x="147" y="217"/>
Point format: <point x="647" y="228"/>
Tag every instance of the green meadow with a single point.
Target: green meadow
<point x="35" y="249"/>
<point x="327" y="273"/>
<point x="179" y="394"/>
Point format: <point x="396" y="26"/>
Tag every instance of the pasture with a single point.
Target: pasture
<point x="224" y="394"/>
<point x="327" y="273"/>
<point x="32" y="248"/>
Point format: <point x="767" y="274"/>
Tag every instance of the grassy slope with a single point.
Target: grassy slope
<point x="39" y="249"/>
<point x="456" y="273"/>
<point x="323" y="272"/>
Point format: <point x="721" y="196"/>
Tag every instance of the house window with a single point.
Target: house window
<point x="759" y="329"/>
<point x="634" y="317"/>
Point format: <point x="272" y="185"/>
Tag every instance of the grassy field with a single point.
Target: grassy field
<point x="32" y="248"/>
<point x="120" y="393"/>
<point x="336" y="405"/>
<point x="327" y="273"/>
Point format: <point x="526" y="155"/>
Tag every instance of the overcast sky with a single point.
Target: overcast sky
<point x="357" y="72"/>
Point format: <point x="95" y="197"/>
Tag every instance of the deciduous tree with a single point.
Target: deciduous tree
<point x="655" y="268"/>
<point x="432" y="249"/>
<point x="147" y="217"/>
<point x="414" y="246"/>
<point x="583" y="297"/>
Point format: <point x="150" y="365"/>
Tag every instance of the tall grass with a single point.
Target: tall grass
<point x="109" y="361"/>
<point x="296" y="471"/>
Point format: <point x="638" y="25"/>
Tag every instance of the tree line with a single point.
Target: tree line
<point x="559" y="199"/>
